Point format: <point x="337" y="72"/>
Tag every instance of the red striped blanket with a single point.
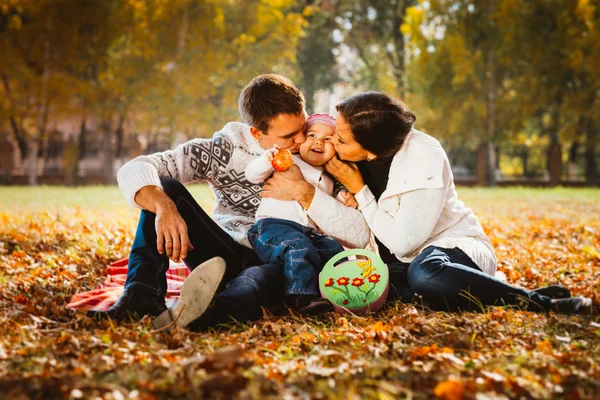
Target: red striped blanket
<point x="109" y="292"/>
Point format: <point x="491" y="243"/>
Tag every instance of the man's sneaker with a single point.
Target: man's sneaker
<point x="554" y="291"/>
<point x="197" y="292"/>
<point x="133" y="304"/>
<point x="573" y="305"/>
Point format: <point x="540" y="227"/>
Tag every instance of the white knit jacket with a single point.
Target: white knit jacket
<point x="221" y="162"/>
<point x="420" y="206"/>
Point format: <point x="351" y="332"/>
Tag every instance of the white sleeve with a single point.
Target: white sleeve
<point x="184" y="163"/>
<point x="417" y="215"/>
<point x="342" y="223"/>
<point x="259" y="169"/>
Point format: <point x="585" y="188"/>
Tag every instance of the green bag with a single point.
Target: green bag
<point x="359" y="285"/>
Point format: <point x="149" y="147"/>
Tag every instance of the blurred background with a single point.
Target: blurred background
<point x="511" y="88"/>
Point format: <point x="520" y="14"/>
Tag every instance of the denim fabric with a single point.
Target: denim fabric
<point x="448" y="280"/>
<point x="243" y="297"/>
<point x="301" y="251"/>
<point x="147" y="268"/>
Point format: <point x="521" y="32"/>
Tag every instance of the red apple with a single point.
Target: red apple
<point x="282" y="160"/>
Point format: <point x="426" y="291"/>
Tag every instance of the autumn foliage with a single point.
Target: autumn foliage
<point x="54" y="244"/>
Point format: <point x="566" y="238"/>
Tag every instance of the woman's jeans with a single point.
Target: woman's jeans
<point x="448" y="280"/>
<point x="247" y="284"/>
<point x="300" y="249"/>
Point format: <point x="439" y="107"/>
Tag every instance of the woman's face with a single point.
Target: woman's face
<point x="347" y="148"/>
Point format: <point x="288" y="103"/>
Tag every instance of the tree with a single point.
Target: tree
<point x="373" y="30"/>
<point x="316" y="60"/>
<point x="159" y="67"/>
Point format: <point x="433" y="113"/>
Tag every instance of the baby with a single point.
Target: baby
<point x="284" y="233"/>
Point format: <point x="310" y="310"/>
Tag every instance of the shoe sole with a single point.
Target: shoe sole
<point x="197" y="292"/>
<point x="554" y="291"/>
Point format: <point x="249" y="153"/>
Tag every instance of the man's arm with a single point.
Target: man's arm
<point x="171" y="229"/>
<point x="198" y="159"/>
<point x="139" y="181"/>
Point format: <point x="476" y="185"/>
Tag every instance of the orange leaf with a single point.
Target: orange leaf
<point x="545" y="346"/>
<point x="450" y="390"/>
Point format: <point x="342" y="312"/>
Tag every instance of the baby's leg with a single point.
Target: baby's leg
<point x="284" y="242"/>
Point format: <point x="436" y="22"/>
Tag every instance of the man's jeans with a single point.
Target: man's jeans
<point x="247" y="285"/>
<point x="300" y="249"/>
<point x="447" y="279"/>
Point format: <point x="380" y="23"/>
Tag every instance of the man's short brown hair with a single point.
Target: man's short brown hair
<point x="267" y="96"/>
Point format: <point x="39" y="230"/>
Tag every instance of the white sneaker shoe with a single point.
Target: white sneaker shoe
<point x="197" y="291"/>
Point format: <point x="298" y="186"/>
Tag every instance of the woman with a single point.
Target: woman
<point x="434" y="246"/>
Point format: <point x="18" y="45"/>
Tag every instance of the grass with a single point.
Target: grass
<point x="57" y="241"/>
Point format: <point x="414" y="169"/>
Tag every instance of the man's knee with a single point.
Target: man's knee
<point x="172" y="187"/>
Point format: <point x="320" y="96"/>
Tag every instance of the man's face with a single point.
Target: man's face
<point x="285" y="130"/>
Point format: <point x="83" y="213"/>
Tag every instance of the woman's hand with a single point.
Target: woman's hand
<point x="289" y="185"/>
<point x="346" y="173"/>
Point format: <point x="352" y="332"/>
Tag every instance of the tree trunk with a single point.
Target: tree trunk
<point x="309" y="96"/>
<point x="487" y="159"/>
<point x="591" y="142"/>
<point x="398" y="52"/>
<point x="108" y="151"/>
<point x="81" y="148"/>
<point x="119" y="135"/>
<point x="18" y="134"/>
<point x="554" y="154"/>
<point x="42" y="116"/>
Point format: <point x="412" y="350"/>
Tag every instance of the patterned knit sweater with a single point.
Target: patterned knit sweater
<point x="221" y="162"/>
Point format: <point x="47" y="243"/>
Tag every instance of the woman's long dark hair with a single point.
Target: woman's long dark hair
<point x="378" y="122"/>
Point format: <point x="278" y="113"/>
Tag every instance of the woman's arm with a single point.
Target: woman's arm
<point x="417" y="215"/>
<point x="345" y="224"/>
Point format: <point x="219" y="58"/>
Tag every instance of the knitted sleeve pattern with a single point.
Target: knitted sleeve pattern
<point x="196" y="160"/>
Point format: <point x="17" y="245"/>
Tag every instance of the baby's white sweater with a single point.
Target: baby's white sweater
<point x="221" y="162"/>
<point x="261" y="169"/>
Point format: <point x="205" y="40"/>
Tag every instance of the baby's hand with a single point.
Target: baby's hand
<point x="271" y="152"/>
<point x="349" y="200"/>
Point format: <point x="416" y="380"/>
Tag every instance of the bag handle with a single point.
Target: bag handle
<point x="354" y="252"/>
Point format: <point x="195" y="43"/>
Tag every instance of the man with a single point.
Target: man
<point x="173" y="225"/>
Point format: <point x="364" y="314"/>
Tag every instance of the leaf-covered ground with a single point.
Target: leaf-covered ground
<point x="55" y="242"/>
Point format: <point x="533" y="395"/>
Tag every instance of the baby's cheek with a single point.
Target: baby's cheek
<point x="305" y="146"/>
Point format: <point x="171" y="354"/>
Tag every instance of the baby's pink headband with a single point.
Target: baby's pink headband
<point x="321" y="119"/>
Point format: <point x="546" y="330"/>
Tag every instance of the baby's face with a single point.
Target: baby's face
<point x="318" y="149"/>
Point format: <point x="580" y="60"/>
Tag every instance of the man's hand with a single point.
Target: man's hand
<point x="171" y="233"/>
<point x="289" y="185"/>
<point x="346" y="173"/>
<point x="171" y="229"/>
